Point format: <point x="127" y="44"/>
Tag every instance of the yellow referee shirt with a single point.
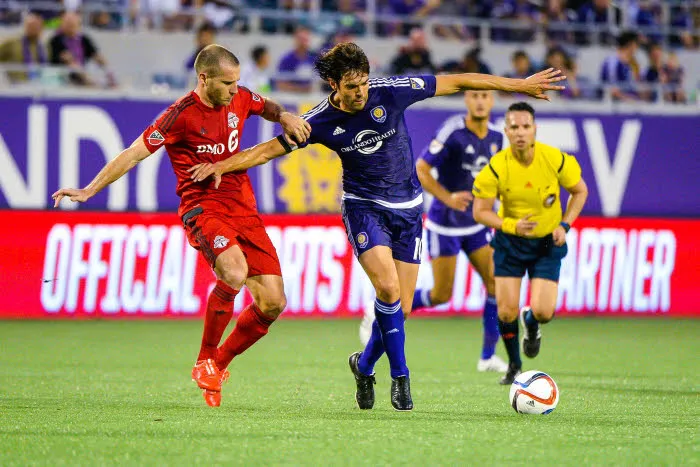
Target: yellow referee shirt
<point x="534" y="189"/>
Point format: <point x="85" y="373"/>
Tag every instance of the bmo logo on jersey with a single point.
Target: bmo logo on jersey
<point x="219" y="148"/>
<point x="368" y="141"/>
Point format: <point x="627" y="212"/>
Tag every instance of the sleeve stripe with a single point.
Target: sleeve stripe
<point x="173" y="113"/>
<point x="390" y="85"/>
<point x="563" y="158"/>
<point x="492" y="170"/>
<point x="449" y="126"/>
<point x="316" y="110"/>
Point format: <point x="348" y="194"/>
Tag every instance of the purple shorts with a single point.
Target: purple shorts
<point x="444" y="245"/>
<point x="368" y="225"/>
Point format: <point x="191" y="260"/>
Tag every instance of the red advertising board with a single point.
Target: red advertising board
<point x="118" y="265"/>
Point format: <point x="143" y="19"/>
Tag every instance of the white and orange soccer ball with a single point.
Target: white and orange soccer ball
<point x="534" y="392"/>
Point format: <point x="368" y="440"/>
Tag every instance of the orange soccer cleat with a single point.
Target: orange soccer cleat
<point x="207" y="375"/>
<point x="213" y="398"/>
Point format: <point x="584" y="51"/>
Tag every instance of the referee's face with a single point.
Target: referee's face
<point x="520" y="129"/>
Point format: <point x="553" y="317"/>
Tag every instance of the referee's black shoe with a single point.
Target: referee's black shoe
<point x="533" y="335"/>
<point x="511" y="374"/>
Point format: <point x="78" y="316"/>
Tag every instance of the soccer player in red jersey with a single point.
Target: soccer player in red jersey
<point x="223" y="224"/>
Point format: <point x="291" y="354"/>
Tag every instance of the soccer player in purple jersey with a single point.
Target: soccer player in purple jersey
<point x="362" y="120"/>
<point x="462" y="146"/>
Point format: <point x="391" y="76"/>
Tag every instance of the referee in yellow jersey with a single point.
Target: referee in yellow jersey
<point x="530" y="230"/>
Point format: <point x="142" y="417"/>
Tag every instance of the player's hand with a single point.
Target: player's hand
<point x="296" y="127"/>
<point x="77" y="195"/>
<point x="559" y="236"/>
<point x="537" y="84"/>
<point x="201" y="172"/>
<point x="460" y="200"/>
<point x="525" y="226"/>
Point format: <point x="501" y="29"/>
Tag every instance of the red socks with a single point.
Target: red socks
<point x="219" y="314"/>
<point x="250" y="327"/>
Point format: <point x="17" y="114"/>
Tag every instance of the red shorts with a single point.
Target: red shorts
<point x="212" y="233"/>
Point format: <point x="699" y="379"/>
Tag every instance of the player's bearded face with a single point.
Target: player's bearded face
<point x="479" y="103"/>
<point x="352" y="92"/>
<point x="520" y="129"/>
<point x="222" y="86"/>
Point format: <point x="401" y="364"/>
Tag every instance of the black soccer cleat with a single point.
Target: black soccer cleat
<point x="511" y="374"/>
<point x="364" y="396"/>
<point x="401" y="394"/>
<point x="532" y="338"/>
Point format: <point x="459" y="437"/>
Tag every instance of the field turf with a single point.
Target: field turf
<point x="95" y="393"/>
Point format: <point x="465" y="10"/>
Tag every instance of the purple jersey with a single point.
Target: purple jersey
<point x="458" y="155"/>
<point x="374" y="144"/>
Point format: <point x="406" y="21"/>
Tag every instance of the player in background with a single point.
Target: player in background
<point x="461" y="147"/>
<point x="530" y="230"/>
<point x="362" y="120"/>
<point x="223" y="224"/>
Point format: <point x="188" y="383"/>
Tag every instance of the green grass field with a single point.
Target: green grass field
<point x="94" y="393"/>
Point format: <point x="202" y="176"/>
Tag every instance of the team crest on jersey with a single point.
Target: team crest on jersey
<point x="155" y="138"/>
<point x="362" y="239"/>
<point x="494" y="148"/>
<point x="220" y="241"/>
<point x="549" y="200"/>
<point x="417" y="83"/>
<point x="232" y="120"/>
<point x="255" y="97"/>
<point x="378" y="114"/>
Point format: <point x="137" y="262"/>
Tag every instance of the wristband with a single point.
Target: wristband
<point x="508" y="225"/>
<point x="287" y="147"/>
<point x="566" y="226"/>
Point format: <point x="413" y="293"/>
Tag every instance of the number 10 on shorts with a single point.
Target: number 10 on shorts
<point x="418" y="249"/>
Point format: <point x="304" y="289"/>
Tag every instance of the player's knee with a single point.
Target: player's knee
<point x="543" y="315"/>
<point x="440" y="296"/>
<point x="234" y="276"/>
<point x="507" y="312"/>
<point x="273" y="307"/>
<point x="388" y="290"/>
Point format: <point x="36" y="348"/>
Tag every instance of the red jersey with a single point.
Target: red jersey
<point x="192" y="133"/>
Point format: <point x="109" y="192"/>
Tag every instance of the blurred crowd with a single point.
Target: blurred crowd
<point x="674" y="22"/>
<point x="619" y="76"/>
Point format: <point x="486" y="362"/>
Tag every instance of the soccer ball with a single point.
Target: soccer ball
<point x="534" y="392"/>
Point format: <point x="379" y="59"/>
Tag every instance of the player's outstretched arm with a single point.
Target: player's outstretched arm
<point x="534" y="86"/>
<point x="257" y="155"/>
<point x="111" y="172"/>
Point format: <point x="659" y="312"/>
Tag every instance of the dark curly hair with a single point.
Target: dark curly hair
<point x="345" y="58"/>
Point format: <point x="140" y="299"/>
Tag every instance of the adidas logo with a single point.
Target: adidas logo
<point x="392" y="331"/>
<point x="531" y="403"/>
<point x="338" y="131"/>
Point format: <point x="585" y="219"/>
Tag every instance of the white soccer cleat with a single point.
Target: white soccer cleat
<point x="366" y="324"/>
<point x="495" y="363"/>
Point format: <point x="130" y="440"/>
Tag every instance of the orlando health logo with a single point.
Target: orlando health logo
<point x="368" y="141"/>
